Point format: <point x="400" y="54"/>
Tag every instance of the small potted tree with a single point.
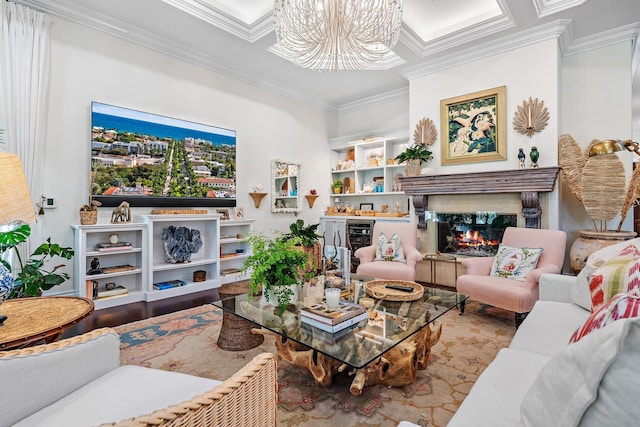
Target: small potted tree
<point x="276" y="267"/>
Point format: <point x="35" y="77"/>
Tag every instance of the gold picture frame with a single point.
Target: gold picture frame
<point x="473" y="127"/>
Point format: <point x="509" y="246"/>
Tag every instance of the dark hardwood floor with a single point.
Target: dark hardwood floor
<point x="128" y="313"/>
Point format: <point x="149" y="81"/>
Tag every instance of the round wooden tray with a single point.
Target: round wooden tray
<point x="377" y="289"/>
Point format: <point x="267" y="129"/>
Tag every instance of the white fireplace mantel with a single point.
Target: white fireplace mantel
<point x="528" y="182"/>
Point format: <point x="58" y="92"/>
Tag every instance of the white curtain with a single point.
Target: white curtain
<point x="24" y="77"/>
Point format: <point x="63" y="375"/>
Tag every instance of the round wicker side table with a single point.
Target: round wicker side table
<point x="235" y="333"/>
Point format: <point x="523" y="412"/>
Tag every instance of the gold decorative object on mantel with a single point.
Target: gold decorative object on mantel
<point x="257" y="198"/>
<point x="311" y="199"/>
<point x="531" y="117"/>
<point x="425" y="133"/>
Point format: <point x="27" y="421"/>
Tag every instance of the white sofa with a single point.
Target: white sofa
<point x="541" y="380"/>
<point x="79" y="382"/>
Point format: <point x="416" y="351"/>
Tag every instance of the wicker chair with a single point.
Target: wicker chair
<point x="79" y="382"/>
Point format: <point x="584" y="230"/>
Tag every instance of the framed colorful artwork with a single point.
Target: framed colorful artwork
<point x="473" y="127"/>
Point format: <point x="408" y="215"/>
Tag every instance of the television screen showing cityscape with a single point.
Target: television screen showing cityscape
<point x="151" y="160"/>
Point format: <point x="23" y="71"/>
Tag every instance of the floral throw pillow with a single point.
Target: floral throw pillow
<point x="620" y="274"/>
<point x="621" y="306"/>
<point x="389" y="249"/>
<point x="515" y="263"/>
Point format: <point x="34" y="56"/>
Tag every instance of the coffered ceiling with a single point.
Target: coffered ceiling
<point x="236" y="37"/>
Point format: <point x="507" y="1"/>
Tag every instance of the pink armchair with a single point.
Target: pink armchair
<point x="511" y="294"/>
<point x="391" y="270"/>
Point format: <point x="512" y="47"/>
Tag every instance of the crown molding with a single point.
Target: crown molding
<point x="372" y="101"/>
<point x="452" y="40"/>
<point x="552" y="30"/>
<point x="549" y="7"/>
<point x="248" y="32"/>
<point x="606" y="38"/>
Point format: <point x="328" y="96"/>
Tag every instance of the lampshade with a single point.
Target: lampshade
<point x="337" y="34"/>
<point x="15" y="202"/>
<point x="609" y="146"/>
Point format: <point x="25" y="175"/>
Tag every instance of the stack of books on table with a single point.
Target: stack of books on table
<point x="110" y="247"/>
<point x="169" y="284"/>
<point x="333" y="320"/>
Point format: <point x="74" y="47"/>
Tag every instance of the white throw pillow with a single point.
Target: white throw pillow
<point x="592" y="382"/>
<point x="389" y="249"/>
<point x="580" y="293"/>
<point x="515" y="263"/>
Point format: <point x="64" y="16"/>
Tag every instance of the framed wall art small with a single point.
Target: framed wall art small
<point x="473" y="127"/>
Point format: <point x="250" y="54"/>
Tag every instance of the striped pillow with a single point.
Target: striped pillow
<point x="621" y="306"/>
<point x="620" y="274"/>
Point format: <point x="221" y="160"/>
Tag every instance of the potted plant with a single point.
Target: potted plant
<point x="308" y="241"/>
<point x="337" y="186"/>
<point x="89" y="212"/>
<point x="414" y="155"/>
<point x="276" y="266"/>
<point x="33" y="277"/>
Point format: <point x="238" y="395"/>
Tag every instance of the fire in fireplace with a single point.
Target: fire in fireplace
<point x="473" y="234"/>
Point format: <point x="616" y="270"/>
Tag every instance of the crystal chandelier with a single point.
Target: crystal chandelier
<point x="337" y="34"/>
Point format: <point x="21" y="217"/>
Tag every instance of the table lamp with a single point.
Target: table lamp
<point x="609" y="146"/>
<point x="15" y="207"/>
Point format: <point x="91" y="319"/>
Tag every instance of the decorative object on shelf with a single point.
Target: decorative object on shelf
<point x="109" y="286"/>
<point x="275" y="266"/>
<point x="180" y="243"/>
<point x="534" y="155"/>
<point x="337" y="35"/>
<point x="113" y="238"/>
<point x="179" y="212"/>
<point x="337" y="186"/>
<point x="597" y="179"/>
<point x="224" y="212"/>
<point x="311" y="199"/>
<point x="95" y="267"/>
<point x="530" y="117"/>
<point x="425" y="133"/>
<point x="6" y="286"/>
<point x="199" y="276"/>
<point x="239" y="213"/>
<point x="473" y="127"/>
<point x="122" y="213"/>
<point x="257" y="198"/>
<point x="89" y="212"/>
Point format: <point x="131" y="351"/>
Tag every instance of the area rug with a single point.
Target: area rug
<point x="185" y="342"/>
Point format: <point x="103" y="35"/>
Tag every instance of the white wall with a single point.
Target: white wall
<point x="596" y="104"/>
<point x="530" y="71"/>
<point x="87" y="65"/>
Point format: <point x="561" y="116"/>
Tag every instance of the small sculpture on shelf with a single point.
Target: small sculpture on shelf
<point x="95" y="267"/>
<point x="521" y="158"/>
<point x="121" y="214"/>
<point x="180" y="243"/>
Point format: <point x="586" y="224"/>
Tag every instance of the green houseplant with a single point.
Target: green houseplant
<point x="308" y="236"/>
<point x="33" y="277"/>
<point x="337" y="186"/>
<point x="414" y="156"/>
<point x="275" y="266"/>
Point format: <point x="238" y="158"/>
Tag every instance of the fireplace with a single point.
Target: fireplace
<point x="472" y="234"/>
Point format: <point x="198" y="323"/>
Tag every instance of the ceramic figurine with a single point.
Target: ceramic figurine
<point x="534" y="155"/>
<point x="95" y="267"/>
<point x="180" y="243"/>
<point x="521" y="157"/>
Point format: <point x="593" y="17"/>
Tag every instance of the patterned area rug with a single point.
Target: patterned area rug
<point x="186" y="342"/>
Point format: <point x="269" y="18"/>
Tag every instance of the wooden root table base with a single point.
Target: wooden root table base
<point x="396" y="368"/>
<point x="235" y="332"/>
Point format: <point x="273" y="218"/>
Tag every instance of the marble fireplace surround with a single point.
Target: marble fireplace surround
<point x="499" y="189"/>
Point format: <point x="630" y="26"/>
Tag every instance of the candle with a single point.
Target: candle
<point x="332" y="296"/>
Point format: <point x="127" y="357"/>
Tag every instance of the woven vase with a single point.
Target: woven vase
<point x="88" y="217"/>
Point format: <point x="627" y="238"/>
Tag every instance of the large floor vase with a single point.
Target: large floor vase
<point x="590" y="241"/>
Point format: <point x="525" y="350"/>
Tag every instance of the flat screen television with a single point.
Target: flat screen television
<point x="150" y="160"/>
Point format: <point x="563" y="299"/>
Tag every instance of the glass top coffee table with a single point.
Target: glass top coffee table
<point x="388" y="347"/>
